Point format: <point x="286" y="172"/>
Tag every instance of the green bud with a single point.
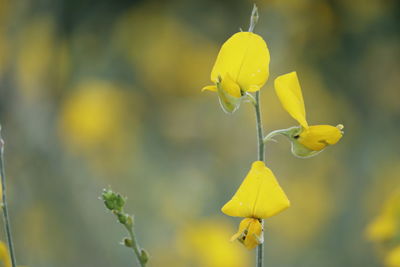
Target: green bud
<point x="127" y="242"/>
<point x="122" y="217"/>
<point x="129" y="220"/>
<point x="112" y="200"/>
<point x="144" y="256"/>
<point x="228" y="103"/>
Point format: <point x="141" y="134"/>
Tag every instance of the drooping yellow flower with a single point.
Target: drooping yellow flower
<point x="242" y="66"/>
<point x="250" y="233"/>
<point x="306" y="140"/>
<point x="258" y="197"/>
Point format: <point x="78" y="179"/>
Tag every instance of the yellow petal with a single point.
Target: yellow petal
<point x="243" y="226"/>
<point x="255" y="234"/>
<point x="288" y="89"/>
<point x="317" y="137"/>
<point x="245" y="57"/>
<point x="212" y="88"/>
<point x="259" y="196"/>
<point x="393" y="258"/>
<point x="249" y="233"/>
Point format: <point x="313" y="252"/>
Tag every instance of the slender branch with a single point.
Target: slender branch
<point x="260" y="134"/>
<point x="134" y="246"/>
<point x="261" y="157"/>
<point x="115" y="203"/>
<point x="4" y="204"/>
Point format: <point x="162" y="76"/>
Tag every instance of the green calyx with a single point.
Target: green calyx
<point x="228" y="103"/>
<point x="293" y="134"/>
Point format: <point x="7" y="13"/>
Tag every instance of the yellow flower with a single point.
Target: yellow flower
<point x="258" y="197"/>
<point x="249" y="233"/>
<point x="242" y="66"/>
<point x="306" y="140"/>
<point x="393" y="257"/>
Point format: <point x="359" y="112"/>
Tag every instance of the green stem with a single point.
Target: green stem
<point x="4" y="204"/>
<point x="135" y="246"/>
<point x="261" y="157"/>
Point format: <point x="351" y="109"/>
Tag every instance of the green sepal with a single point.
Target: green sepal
<point x="301" y="151"/>
<point x="297" y="149"/>
<point x="228" y="103"/>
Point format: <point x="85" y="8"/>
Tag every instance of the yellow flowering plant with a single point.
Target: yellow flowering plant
<point x="241" y="69"/>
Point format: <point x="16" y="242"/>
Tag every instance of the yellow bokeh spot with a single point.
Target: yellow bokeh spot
<point x="93" y="114"/>
<point x="4" y="255"/>
<point x="392" y="259"/>
<point x="205" y="244"/>
<point x="387" y="224"/>
<point x="167" y="55"/>
<point x="36" y="47"/>
<point x="99" y="120"/>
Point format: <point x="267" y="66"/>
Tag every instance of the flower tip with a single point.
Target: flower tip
<point x="340" y="127"/>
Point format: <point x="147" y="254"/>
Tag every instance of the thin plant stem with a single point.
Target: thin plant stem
<point x="135" y="246"/>
<point x="115" y="203"/>
<point x="4" y="204"/>
<point x="261" y="157"/>
<point x="260" y="135"/>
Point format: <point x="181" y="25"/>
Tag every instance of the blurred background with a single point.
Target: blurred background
<point x="107" y="93"/>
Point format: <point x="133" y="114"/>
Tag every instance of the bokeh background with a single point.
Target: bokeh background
<point x="107" y="93"/>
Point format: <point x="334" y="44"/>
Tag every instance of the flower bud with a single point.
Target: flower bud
<point x="127" y="242"/>
<point x="112" y="200"/>
<point x="144" y="256"/>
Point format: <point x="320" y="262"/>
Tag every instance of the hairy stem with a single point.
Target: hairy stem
<point x="4" y="204"/>
<point x="261" y="157"/>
